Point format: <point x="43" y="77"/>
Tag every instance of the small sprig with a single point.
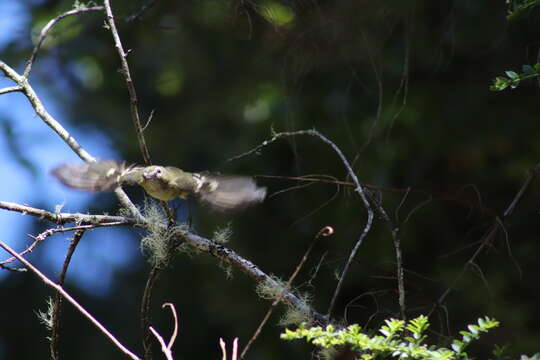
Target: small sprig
<point x="517" y="8"/>
<point x="513" y="79"/>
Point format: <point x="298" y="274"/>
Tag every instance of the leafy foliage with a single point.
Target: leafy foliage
<point x="399" y="339"/>
<point x="513" y="79"/>
<point x="518" y="8"/>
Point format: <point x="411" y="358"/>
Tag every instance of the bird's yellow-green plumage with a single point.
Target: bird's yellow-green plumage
<point x="163" y="183"/>
<point x="168" y="183"/>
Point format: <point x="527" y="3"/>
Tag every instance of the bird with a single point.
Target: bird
<point x="221" y="192"/>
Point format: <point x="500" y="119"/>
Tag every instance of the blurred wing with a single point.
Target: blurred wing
<point x="132" y="175"/>
<point x="97" y="176"/>
<point x="230" y="192"/>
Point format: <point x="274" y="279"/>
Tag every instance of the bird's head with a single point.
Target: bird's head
<point x="153" y="173"/>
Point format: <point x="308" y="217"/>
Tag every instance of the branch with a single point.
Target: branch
<point x="36" y="103"/>
<point x="68" y="297"/>
<point x="62" y="218"/>
<point x="38" y="239"/>
<point x="369" y="202"/>
<point x="129" y="82"/>
<point x="247" y="267"/>
<point x="57" y="302"/>
<point x="167" y="348"/>
<point x="325" y="231"/>
<point x="498" y="223"/>
<point x="45" y="31"/>
<point x="358" y="189"/>
<point x="10" y="89"/>
<point x="206" y="245"/>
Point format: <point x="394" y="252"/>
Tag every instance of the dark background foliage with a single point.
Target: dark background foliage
<point x="401" y="87"/>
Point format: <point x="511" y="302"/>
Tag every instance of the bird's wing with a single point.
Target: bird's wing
<point x="230" y="192"/>
<point x="132" y="175"/>
<point x="96" y="176"/>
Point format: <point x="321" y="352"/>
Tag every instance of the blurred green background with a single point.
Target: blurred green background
<point x="401" y="87"/>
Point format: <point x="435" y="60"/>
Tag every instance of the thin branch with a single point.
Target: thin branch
<point x="325" y="231"/>
<point x="145" y="7"/>
<point x="498" y="222"/>
<point x="234" y="355"/>
<point x="369" y="202"/>
<point x="129" y="82"/>
<point x="42" y="112"/>
<point x="74" y="302"/>
<point x="11" y="89"/>
<point x="247" y="267"/>
<point x="167" y="348"/>
<point x="153" y="277"/>
<point x="57" y="302"/>
<point x="44" y="32"/>
<point x="222" y="253"/>
<point x="358" y="189"/>
<point x="42" y="236"/>
<point x="63" y="218"/>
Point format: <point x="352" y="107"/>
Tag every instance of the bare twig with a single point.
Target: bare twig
<point x="145" y="7"/>
<point x="57" y="302"/>
<point x="369" y="202"/>
<point x="166" y="348"/>
<point x="498" y="222"/>
<point x="153" y="277"/>
<point x="39" y="238"/>
<point x="44" y="32"/>
<point x="325" y="231"/>
<point x="69" y="298"/>
<point x="129" y="82"/>
<point x="43" y="113"/>
<point x="11" y="89"/>
<point x="234" y="355"/>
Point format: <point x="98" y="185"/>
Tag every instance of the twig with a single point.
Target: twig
<point x="325" y="231"/>
<point x="358" y="188"/>
<point x="368" y="201"/>
<point x="234" y="355"/>
<point x="11" y="89"/>
<point x="142" y="10"/>
<point x="153" y="277"/>
<point x="490" y="234"/>
<point x="68" y="297"/>
<point x="167" y="348"/>
<point x="42" y="112"/>
<point x="42" y="236"/>
<point x="129" y="82"/>
<point x="57" y="302"/>
<point x="44" y="32"/>
<point x="230" y="257"/>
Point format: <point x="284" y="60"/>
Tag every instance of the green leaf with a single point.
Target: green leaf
<point x="528" y="69"/>
<point x="512" y="74"/>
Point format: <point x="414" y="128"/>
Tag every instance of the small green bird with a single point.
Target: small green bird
<point x="163" y="183"/>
